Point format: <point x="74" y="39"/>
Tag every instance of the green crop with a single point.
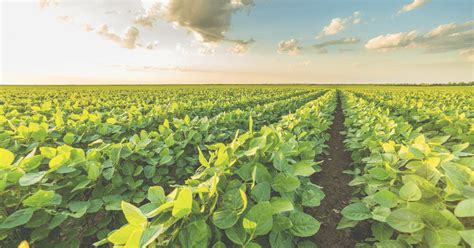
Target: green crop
<point x="230" y="166"/>
<point x="415" y="167"/>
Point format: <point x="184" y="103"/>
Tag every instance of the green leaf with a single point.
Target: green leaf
<point x="151" y="234"/>
<point x="391" y="244"/>
<point x="203" y="159"/>
<point x="79" y="208"/>
<point x="225" y="218"/>
<point x="465" y="208"/>
<point x="312" y="196"/>
<point x="259" y="219"/>
<point x="3" y="181"/>
<point x="381" y="231"/>
<point x="410" y="192"/>
<point x="195" y="235"/>
<point x="304" y="225"/>
<point x="303" y="168"/>
<point x="346" y="223"/>
<point x="156" y="194"/>
<point x="39" y="199"/>
<point x="250" y="124"/>
<point x="283" y="183"/>
<point x="378" y="173"/>
<point x="356" y="211"/>
<point x="31" y="178"/>
<point x="441" y="237"/>
<point x="149" y="171"/>
<point x="236" y="234"/>
<point x="386" y="198"/>
<point x="183" y="204"/>
<point x="281" y="240"/>
<point x="57" y="220"/>
<point x="6" y="158"/>
<point x="31" y="163"/>
<point x="121" y="235"/>
<point x="253" y="245"/>
<point x="133" y="214"/>
<point x="93" y="170"/>
<point x="404" y="220"/>
<point x="18" y="218"/>
<point x="261" y="191"/>
<point x="58" y="161"/>
<point x="468" y="236"/>
<point x="68" y="138"/>
<point x="281" y="223"/>
<point x="280" y="205"/>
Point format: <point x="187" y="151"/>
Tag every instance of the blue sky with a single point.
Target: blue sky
<point x="237" y="41"/>
<point x="272" y="20"/>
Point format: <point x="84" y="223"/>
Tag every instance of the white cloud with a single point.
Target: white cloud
<point x="336" y="26"/>
<point x="322" y="47"/>
<point x="130" y="37"/>
<point x="87" y="28"/>
<point x="47" y="3"/>
<point x="413" y="5"/>
<point x="356" y="19"/>
<point x="207" y="19"/>
<point x="151" y="16"/>
<point x="391" y="41"/>
<point x="290" y="46"/>
<point x="468" y="54"/>
<point x="127" y="40"/>
<point x="450" y="28"/>
<point x="242" y="46"/>
<point x="339" y="24"/>
<point x="151" y="45"/>
<point x="444" y="38"/>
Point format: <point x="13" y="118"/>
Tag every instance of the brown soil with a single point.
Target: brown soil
<point x="338" y="193"/>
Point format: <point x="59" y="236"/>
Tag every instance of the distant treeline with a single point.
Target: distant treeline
<point x="427" y="84"/>
<point x="450" y="84"/>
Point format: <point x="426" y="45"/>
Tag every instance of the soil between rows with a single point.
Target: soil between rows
<point x="338" y="192"/>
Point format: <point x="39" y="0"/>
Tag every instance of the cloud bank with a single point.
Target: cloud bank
<point x="290" y="47"/>
<point x="322" y="47"/>
<point x="209" y="20"/>
<point x="444" y="38"/>
<point x="339" y="24"/>
<point x="413" y="5"/>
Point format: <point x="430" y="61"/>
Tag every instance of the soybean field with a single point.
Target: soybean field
<point x="297" y="166"/>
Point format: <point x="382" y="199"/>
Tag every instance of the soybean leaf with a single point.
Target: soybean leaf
<point x="6" y="158"/>
<point x="404" y="220"/>
<point x="133" y="214"/>
<point x="283" y="183"/>
<point x="410" y="192"/>
<point x="183" y="204"/>
<point x="465" y="208"/>
<point x="259" y="219"/>
<point x="31" y="178"/>
<point x="18" y="218"/>
<point x="195" y="235"/>
<point x="304" y="225"/>
<point x="356" y="211"/>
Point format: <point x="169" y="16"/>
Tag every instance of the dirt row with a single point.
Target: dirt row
<point x="338" y="192"/>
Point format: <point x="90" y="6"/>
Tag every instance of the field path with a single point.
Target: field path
<point x="338" y="193"/>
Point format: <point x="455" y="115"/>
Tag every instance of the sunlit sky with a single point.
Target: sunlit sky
<point x="236" y="41"/>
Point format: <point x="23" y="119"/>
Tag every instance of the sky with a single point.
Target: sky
<point x="236" y="41"/>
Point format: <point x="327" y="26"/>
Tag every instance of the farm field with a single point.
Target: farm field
<point x="237" y="166"/>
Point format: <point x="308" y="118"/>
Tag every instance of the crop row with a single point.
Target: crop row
<point x="415" y="187"/>
<point x="83" y="188"/>
<point x="248" y="193"/>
